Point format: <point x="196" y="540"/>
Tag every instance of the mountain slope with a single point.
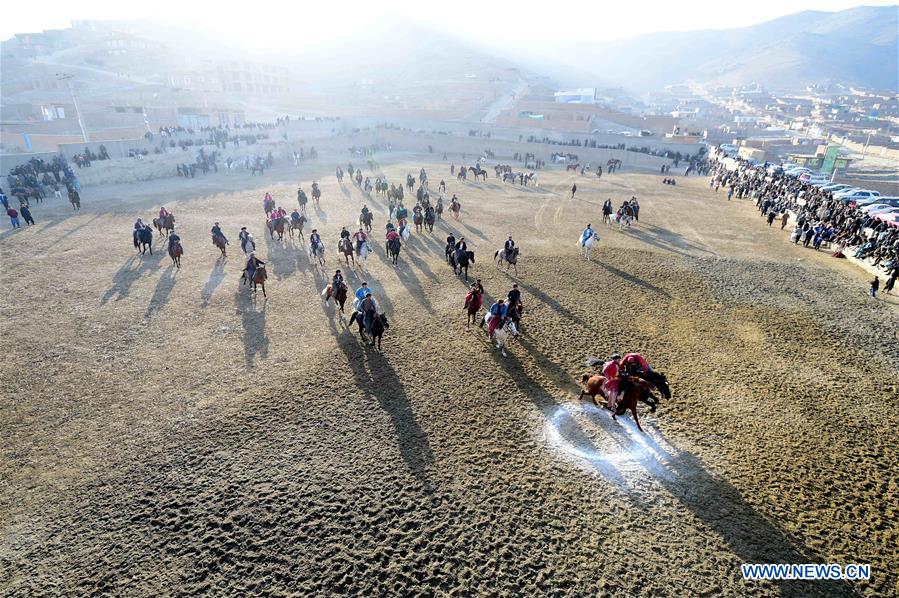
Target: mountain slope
<point x="857" y="46"/>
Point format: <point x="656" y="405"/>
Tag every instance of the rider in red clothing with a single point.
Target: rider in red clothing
<point x="635" y="364"/>
<point x="611" y="371"/>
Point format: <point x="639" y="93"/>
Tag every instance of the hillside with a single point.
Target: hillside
<point x="857" y="46"/>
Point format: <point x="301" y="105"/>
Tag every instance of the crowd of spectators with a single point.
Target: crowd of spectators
<point x="35" y="181"/>
<point x="819" y="217"/>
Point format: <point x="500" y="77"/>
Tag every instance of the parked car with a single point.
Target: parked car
<point x="856" y="194"/>
<point x="876" y="207"/>
<point x="836" y="187"/>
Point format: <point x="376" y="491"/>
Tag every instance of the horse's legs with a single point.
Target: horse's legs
<point x="636" y="417"/>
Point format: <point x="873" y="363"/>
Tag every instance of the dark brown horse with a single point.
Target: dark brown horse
<point x="175" y="252"/>
<point x="633" y="390"/>
<point x="259" y="278"/>
<point x="345" y="246"/>
<point x="220" y="242"/>
<point x="366" y="220"/>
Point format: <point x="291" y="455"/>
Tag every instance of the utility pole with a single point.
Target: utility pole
<point x="865" y="149"/>
<point x="67" y="78"/>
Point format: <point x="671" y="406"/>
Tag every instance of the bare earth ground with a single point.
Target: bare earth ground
<point x="164" y="432"/>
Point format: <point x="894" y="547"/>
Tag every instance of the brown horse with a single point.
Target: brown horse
<point x="316" y="194"/>
<point x="259" y="278"/>
<point x="219" y="242"/>
<point x="345" y="246"/>
<point x="165" y="225"/>
<point x="574" y="167"/>
<point x="175" y="252"/>
<point x="276" y="227"/>
<point x="339" y="296"/>
<point x="456" y="209"/>
<point x="633" y="391"/>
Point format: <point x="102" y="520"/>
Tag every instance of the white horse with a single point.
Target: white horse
<point x="588" y="244"/>
<point x="502" y="334"/>
<point x="510" y="260"/>
<point x="362" y="253"/>
<point x="624" y="220"/>
<point x="318" y="251"/>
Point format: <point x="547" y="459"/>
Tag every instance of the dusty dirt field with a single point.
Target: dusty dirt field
<point x="165" y="433"/>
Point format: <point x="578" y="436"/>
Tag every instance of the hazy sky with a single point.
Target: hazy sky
<point x="269" y="25"/>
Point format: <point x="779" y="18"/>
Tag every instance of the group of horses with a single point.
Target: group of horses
<point x="633" y="389"/>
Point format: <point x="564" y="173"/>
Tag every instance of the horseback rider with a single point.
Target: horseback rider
<point x="267" y="197"/>
<point x="587" y="234"/>
<point x="174" y="238"/>
<point x="163" y="213"/>
<point x="252" y="264"/>
<point x="217" y="232"/>
<point x="364" y="212"/>
<point x="508" y="247"/>
<point x="635" y="364"/>
<point x="344" y="233"/>
<point x="477" y="285"/>
<point x="514" y="297"/>
<point x="451" y="241"/>
<point x="498" y="314"/>
<point x="389" y="226"/>
<point x="336" y="281"/>
<point x="295" y="216"/>
<point x="138" y="226"/>
<point x="392" y="234"/>
<point x="612" y="372"/>
<point x="360" y="238"/>
<point x="461" y="245"/>
<point x="368" y="307"/>
<point x="360" y="293"/>
<point x="315" y="240"/>
<point x="301" y="196"/>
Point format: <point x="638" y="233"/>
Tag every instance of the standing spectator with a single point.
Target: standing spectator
<point x="26" y="215"/>
<point x="875" y="284"/>
<point x="4" y="200"/>
<point x="784" y="219"/>
<point x="13" y="217"/>
<point x="771" y="216"/>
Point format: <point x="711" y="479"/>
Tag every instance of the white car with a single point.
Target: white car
<point x="836" y="187"/>
<point x="855" y="194"/>
<point x="877" y="207"/>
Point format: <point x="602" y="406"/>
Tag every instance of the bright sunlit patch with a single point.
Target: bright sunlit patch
<point x="615" y="448"/>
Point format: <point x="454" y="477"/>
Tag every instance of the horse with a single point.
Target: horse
<point x="269" y="206"/>
<point x="478" y="172"/>
<point x="165" y="225"/>
<point x="339" y="295"/>
<point x="502" y="334"/>
<point x="175" y="252"/>
<point x="366" y="220"/>
<point x="510" y="257"/>
<point x="276" y="227"/>
<point x="143" y="240"/>
<point x="318" y="251"/>
<point x="259" y="278"/>
<point x="588" y="244"/>
<point x="75" y="200"/>
<point x="632" y="391"/>
<point x="473" y="303"/>
<point x="460" y="260"/>
<point x="296" y="225"/>
<point x="439" y="210"/>
<point x="362" y="251"/>
<point x="219" y="242"/>
<point x="345" y="246"/>
<point x="393" y="249"/>
<point x="456" y="209"/>
<point x="429" y="219"/>
<point x="418" y="220"/>
<point x="574" y="167"/>
<point x="316" y="195"/>
<point x="378" y="326"/>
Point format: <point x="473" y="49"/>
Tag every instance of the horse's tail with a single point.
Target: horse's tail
<point x="496" y="255"/>
<point x="325" y="291"/>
